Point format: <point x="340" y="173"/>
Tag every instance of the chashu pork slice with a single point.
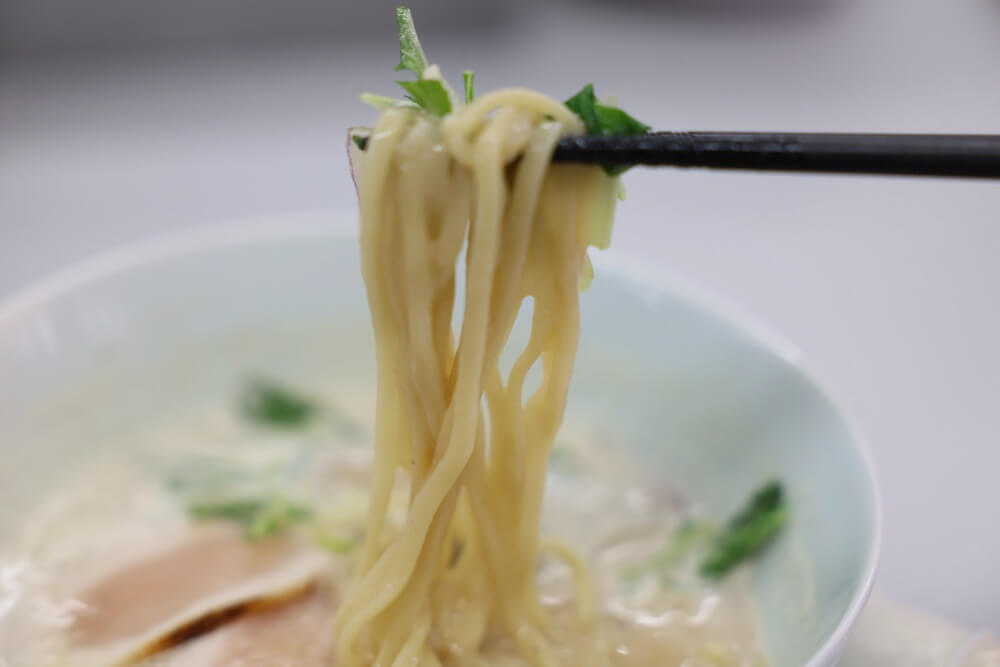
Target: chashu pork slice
<point x="156" y="601"/>
<point x="296" y="634"/>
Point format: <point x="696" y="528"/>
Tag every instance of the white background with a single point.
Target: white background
<point x="891" y="287"/>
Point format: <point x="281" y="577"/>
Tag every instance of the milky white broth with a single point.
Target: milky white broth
<point x="113" y="550"/>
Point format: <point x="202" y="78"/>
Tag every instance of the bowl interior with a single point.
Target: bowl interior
<point x="708" y="408"/>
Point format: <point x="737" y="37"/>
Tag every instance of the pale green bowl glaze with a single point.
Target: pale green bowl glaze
<point x="710" y="405"/>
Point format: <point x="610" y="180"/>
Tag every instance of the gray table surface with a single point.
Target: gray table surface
<point x="889" y="286"/>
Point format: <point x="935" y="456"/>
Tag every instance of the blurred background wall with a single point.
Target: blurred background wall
<point x="66" y="28"/>
<point x="125" y="119"/>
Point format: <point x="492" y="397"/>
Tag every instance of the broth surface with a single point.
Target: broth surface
<point x="116" y="567"/>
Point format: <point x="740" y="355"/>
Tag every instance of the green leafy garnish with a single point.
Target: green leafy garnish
<point x="411" y="54"/>
<point x="359" y="140"/>
<point x="270" y="515"/>
<point x="604" y="120"/>
<point x="386" y="102"/>
<point x="270" y="404"/>
<point x="334" y="544"/>
<point x="240" y="511"/>
<point x="469" y="83"/>
<point x="274" y="517"/>
<point x="584" y="105"/>
<point x="259" y="517"/>
<point x="429" y="94"/>
<point x="688" y="535"/>
<point x="749" y="531"/>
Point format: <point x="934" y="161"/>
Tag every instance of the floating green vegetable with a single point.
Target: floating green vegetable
<point x="267" y="403"/>
<point x="240" y="511"/>
<point x="749" y="531"/>
<point x="267" y="516"/>
<point x="275" y="516"/>
<point x="270" y="404"/>
<point x="259" y="517"/>
<point x="334" y="544"/>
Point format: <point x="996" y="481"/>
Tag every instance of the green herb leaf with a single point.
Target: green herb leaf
<point x="275" y="516"/>
<point x="259" y="517"/>
<point x="270" y="404"/>
<point x="359" y="141"/>
<point x="749" y="531"/>
<point x="241" y="511"/>
<point x="615" y="122"/>
<point x="384" y="101"/>
<point x="469" y="81"/>
<point x="411" y="54"/>
<point x="430" y="94"/>
<point x="430" y="91"/>
<point x="584" y="105"/>
<point x="334" y="544"/>
<point x="604" y="120"/>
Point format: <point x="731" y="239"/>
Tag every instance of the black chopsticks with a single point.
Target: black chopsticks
<point x="975" y="156"/>
<point x="968" y="156"/>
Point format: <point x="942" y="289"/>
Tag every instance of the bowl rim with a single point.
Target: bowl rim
<point x="652" y="281"/>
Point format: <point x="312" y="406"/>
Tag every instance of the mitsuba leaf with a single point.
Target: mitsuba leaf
<point x="411" y="53"/>
<point x="469" y="81"/>
<point x="749" y="531"/>
<point x="604" y="120"/>
<point x="429" y="94"/>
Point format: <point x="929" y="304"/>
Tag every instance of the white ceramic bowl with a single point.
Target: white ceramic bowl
<point x="710" y="404"/>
